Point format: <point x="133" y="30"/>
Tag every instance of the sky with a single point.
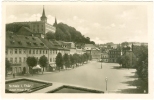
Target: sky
<point x="102" y="23"/>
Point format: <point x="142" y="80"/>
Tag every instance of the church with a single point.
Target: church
<point x="37" y="27"/>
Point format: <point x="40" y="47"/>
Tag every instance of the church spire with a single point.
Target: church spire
<point x="55" y="24"/>
<point x="43" y="17"/>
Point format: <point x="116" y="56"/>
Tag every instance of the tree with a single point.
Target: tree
<point x="66" y="60"/>
<point x="126" y="61"/>
<point x="7" y="66"/>
<point x="50" y="35"/>
<point x="124" y="44"/>
<point x="119" y="60"/>
<point x="75" y="57"/>
<point x="31" y="62"/>
<point x="142" y="55"/>
<point x="43" y="61"/>
<point x="59" y="61"/>
<point x="71" y="60"/>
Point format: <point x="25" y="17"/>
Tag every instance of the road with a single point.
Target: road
<point x="91" y="75"/>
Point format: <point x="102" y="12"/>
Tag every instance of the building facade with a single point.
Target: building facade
<point x="113" y="55"/>
<point x="19" y="47"/>
<point x="93" y="50"/>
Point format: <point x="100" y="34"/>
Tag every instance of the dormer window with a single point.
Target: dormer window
<point x="12" y="42"/>
<point x="28" y="43"/>
<point x="26" y="37"/>
<point x="35" y="44"/>
<point x="19" y="42"/>
<point x="33" y="38"/>
<point x="42" y="44"/>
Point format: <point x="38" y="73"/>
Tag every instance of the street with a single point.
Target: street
<point x="91" y="75"/>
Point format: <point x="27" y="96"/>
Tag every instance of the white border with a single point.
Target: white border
<point x="79" y="96"/>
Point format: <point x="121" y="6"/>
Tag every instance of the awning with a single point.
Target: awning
<point x="37" y="67"/>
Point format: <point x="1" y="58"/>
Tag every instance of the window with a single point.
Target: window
<point x="12" y="42"/>
<point x="11" y="51"/>
<point x="40" y="51"/>
<point x="43" y="51"/>
<point x="20" y="59"/>
<point x="26" y="37"/>
<point x="50" y="51"/>
<point x="24" y="59"/>
<point x="34" y="51"/>
<point x="35" y="44"/>
<point x="42" y="44"/>
<point x="24" y="51"/>
<point x="50" y="60"/>
<point x="28" y="43"/>
<point x="33" y="38"/>
<point x="19" y="42"/>
<point x="15" y="51"/>
<point x="11" y="60"/>
<point x="19" y="51"/>
<point x="29" y="51"/>
<point x="15" y="60"/>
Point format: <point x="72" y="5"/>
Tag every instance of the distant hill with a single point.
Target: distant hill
<point x="70" y="34"/>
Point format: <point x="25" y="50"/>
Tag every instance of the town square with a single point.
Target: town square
<point x="52" y="50"/>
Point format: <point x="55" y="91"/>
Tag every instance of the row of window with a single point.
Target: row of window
<point x="17" y="70"/>
<point x="17" y="59"/>
<point x="16" y="51"/>
<point x="23" y="59"/>
<point x="32" y="51"/>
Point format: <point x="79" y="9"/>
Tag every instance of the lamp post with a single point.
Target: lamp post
<point x="101" y="61"/>
<point x="106" y="82"/>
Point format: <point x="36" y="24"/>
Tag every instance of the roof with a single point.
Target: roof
<point x="90" y="45"/>
<point x="48" y="43"/>
<point x="21" y="41"/>
<point x="58" y="45"/>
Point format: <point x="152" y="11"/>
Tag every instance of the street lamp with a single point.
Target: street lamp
<point x="101" y="61"/>
<point x="106" y="82"/>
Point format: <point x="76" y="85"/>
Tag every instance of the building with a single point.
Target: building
<point x="93" y="50"/>
<point x="113" y="55"/>
<point x="38" y="27"/>
<point x="105" y="57"/>
<point x="19" y="47"/>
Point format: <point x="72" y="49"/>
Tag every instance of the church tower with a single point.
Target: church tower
<point x="43" y="17"/>
<point x="55" y="24"/>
